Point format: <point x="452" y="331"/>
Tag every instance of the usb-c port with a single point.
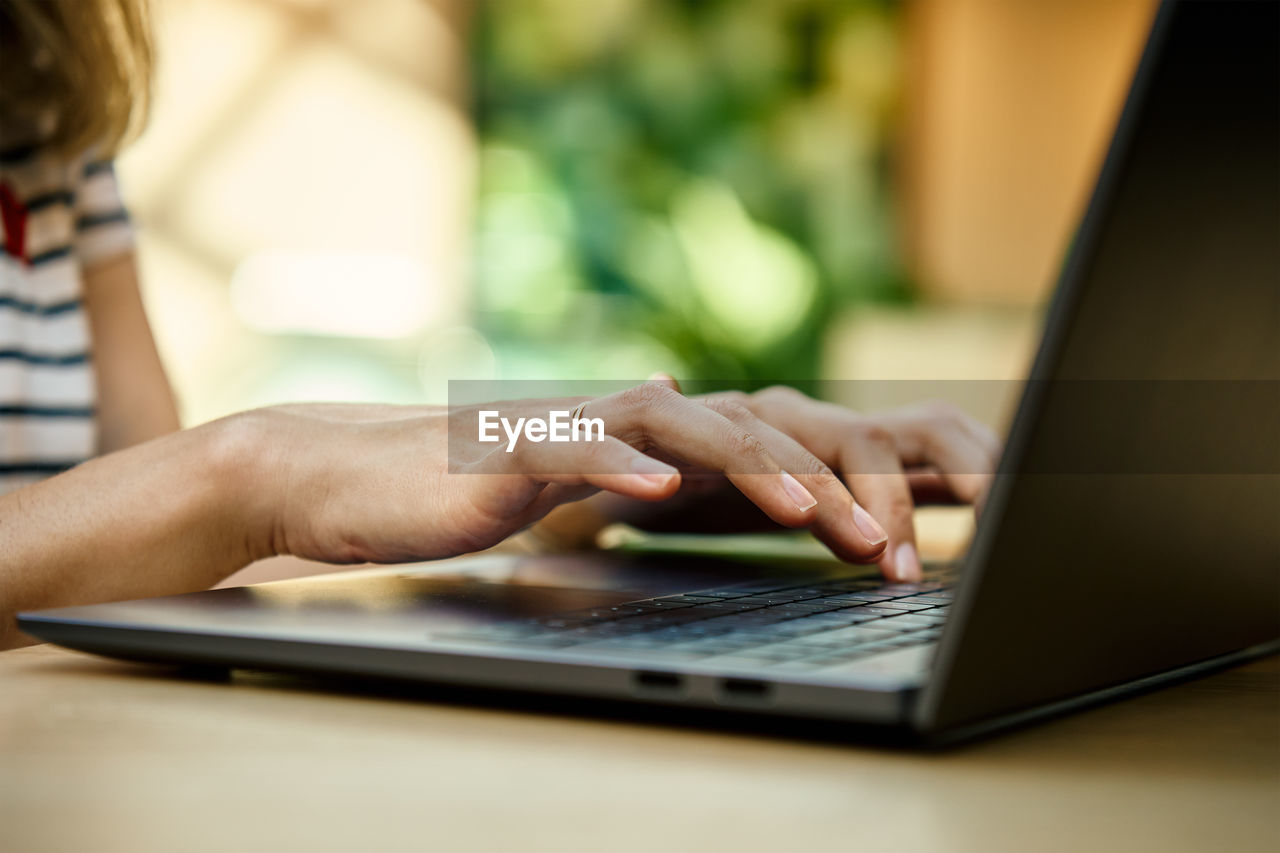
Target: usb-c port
<point x="666" y="681"/>
<point x="745" y="688"/>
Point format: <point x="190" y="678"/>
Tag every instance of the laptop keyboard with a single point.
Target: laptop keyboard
<point x="781" y="625"/>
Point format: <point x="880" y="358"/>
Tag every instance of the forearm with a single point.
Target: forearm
<point x="167" y="516"/>
<point x="135" y="401"/>
<point x="362" y="413"/>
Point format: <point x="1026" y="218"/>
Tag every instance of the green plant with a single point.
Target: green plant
<point x="700" y="183"/>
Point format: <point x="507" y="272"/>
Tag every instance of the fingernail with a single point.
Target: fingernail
<point x="870" y="528"/>
<point x="652" y="471"/>
<point x="906" y="563"/>
<point x="661" y="377"/>
<point x="798" y="493"/>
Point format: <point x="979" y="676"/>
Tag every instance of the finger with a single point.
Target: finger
<point x="928" y="486"/>
<point x="553" y="496"/>
<point x="985" y="436"/>
<point x="870" y="464"/>
<point x="604" y="463"/>
<point x="836" y="524"/>
<point x="654" y="416"/>
<point x="665" y="379"/>
<point x="965" y="465"/>
<point x="819" y="426"/>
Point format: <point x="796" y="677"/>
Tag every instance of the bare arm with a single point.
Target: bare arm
<point x="164" y="517"/>
<point x="367" y="484"/>
<point x="135" y="402"/>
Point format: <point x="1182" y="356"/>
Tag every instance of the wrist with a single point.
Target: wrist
<point x="242" y="472"/>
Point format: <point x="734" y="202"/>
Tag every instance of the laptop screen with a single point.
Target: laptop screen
<point x="1134" y="528"/>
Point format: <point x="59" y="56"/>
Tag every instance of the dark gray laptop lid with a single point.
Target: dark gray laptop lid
<point x="1135" y="524"/>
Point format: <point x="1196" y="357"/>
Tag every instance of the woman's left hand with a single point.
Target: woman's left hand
<point x="930" y="452"/>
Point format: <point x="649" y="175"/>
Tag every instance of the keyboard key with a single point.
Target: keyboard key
<point x="718" y="607"/>
<point x="839" y="618"/>
<point x="933" y="599"/>
<point x="615" y="612"/>
<point x="833" y="619"/>
<point x="907" y="588"/>
<point x="762" y="600"/>
<point x="905" y="622"/>
<point x="763" y="586"/>
<point x="852" y="585"/>
<point x="812" y="605"/>
<point x="844" y="636"/>
<point x="905" y="604"/>
<point x="810" y="591"/>
<point x="659" y="620"/>
<point x="861" y="596"/>
<point x="736" y="605"/>
<point x="691" y="598"/>
<point x="880" y="611"/>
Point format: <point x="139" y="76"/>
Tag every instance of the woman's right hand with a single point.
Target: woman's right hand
<point x="382" y="484"/>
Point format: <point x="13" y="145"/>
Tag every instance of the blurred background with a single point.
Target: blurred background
<point x="362" y="199"/>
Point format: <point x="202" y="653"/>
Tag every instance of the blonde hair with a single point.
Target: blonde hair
<point x="75" y="74"/>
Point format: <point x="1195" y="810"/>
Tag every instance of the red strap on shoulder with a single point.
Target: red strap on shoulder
<point x="13" y="215"/>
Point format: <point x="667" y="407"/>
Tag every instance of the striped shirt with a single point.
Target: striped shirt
<point x="58" y="219"/>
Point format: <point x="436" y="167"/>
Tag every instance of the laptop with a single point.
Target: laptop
<point x="1131" y="537"/>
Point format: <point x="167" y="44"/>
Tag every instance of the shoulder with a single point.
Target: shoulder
<point x="75" y="203"/>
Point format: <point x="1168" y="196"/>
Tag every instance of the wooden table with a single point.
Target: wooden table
<point x="103" y="756"/>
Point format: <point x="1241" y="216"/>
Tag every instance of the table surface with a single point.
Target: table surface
<point x="104" y="756"/>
